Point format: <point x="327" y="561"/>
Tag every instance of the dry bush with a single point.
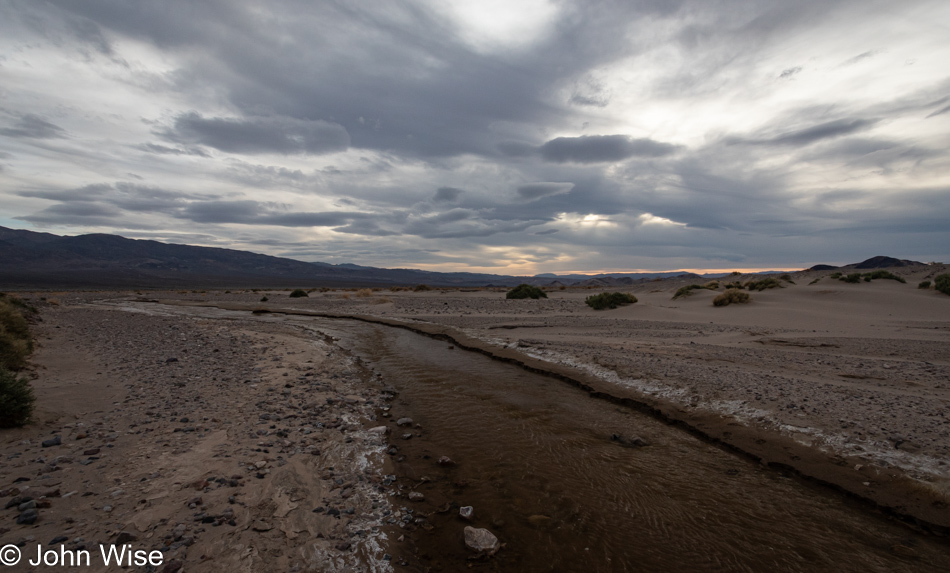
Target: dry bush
<point x="345" y="296"/>
<point x="364" y="292"/>
<point x="16" y="400"/>
<point x="420" y="288"/>
<point x="731" y="296"/>
<point x="382" y="300"/>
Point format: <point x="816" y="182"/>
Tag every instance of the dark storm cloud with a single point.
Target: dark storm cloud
<point x="33" y="127"/>
<point x="602" y="149"/>
<point x="259" y="134"/>
<point x="89" y="213"/>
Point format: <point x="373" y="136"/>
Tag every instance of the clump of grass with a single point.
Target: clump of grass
<point x="942" y="284"/>
<point x="421" y="288"/>
<point x="735" y="285"/>
<point x="763" y="284"/>
<point x="851" y="278"/>
<point x="814" y="281"/>
<point x="835" y="275"/>
<point x="526" y="291"/>
<point x="924" y="284"/>
<point x="364" y="293"/>
<point x="16" y="399"/>
<point x="731" y="296"/>
<point x="606" y="300"/>
<point x="711" y="285"/>
<point x="787" y="278"/>
<point x="264" y="298"/>
<point x="299" y="293"/>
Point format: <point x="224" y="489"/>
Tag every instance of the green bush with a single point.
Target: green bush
<point x="731" y="296"/>
<point x="735" y="285"/>
<point x="942" y="283"/>
<point x="924" y="284"/>
<point x="814" y="281"/>
<point x="526" y="291"/>
<point x="763" y="283"/>
<point x="606" y="300"/>
<point x="264" y="298"/>
<point x="835" y="275"/>
<point x="16" y="400"/>
<point x="851" y="278"/>
<point x="298" y="293"/>
<point x="688" y="289"/>
<point x="15" y="341"/>
<point x="787" y="278"/>
<point x="882" y="274"/>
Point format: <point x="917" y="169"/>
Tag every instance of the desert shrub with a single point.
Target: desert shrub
<point x="924" y="284"/>
<point x="787" y="278"/>
<point x="363" y="293"/>
<point x="851" y="278"/>
<point x="526" y="291"/>
<point x="421" y="288"/>
<point x="298" y="293"/>
<point x="345" y="295"/>
<point x="16" y="399"/>
<point x="735" y="285"/>
<point x="763" y="284"/>
<point x="735" y="274"/>
<point x="711" y="285"/>
<point x="731" y="296"/>
<point x="606" y="300"/>
<point x="15" y="341"/>
<point x="814" y="281"/>
<point x="942" y="283"/>
<point x="835" y="275"/>
<point x="264" y="298"/>
<point x="325" y="289"/>
<point x="882" y="274"/>
<point x="687" y="290"/>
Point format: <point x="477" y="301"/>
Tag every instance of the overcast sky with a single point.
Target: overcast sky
<point x="501" y="136"/>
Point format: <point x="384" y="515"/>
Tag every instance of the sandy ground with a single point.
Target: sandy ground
<point x="226" y="445"/>
<point x="220" y="456"/>
<point x="858" y="371"/>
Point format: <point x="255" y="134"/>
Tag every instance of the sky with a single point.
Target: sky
<point x="512" y="137"/>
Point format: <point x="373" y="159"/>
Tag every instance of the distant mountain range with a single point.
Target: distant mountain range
<point x="42" y="260"/>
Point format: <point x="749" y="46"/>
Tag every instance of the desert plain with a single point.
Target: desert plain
<point x="230" y="433"/>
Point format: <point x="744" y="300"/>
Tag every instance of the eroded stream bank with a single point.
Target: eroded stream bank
<point x="535" y="459"/>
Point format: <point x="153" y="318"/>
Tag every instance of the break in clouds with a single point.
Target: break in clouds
<point x="549" y="137"/>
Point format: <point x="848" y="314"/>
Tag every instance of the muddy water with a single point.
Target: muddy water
<point x="535" y="460"/>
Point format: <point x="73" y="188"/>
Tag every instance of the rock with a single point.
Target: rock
<point x="404" y="422"/>
<point x="407" y="436"/>
<point x="27" y="505"/>
<point x="416" y="496"/>
<point x="173" y="566"/>
<point x="261" y="526"/>
<point x="28" y="517"/>
<point x="382" y="430"/>
<point x="446" y="461"/>
<point x="467" y="512"/>
<point x="343" y="546"/>
<point x="52" y="442"/>
<point x="125" y="537"/>
<point x="481" y="541"/>
<point x="170" y="360"/>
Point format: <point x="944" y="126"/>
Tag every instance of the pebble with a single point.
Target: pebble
<point x="467" y="512"/>
<point x="52" y="442"/>
<point x="416" y="496"/>
<point x="404" y="422"/>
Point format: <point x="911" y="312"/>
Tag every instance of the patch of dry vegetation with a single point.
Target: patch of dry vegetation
<point x="731" y="296"/>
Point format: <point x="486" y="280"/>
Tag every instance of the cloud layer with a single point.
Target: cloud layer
<point x="543" y="137"/>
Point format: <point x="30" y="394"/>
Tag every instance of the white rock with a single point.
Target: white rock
<point x="481" y="540"/>
<point x="467" y="512"/>
<point x="378" y="430"/>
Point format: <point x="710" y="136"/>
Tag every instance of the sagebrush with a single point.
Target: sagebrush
<point x="607" y="300"/>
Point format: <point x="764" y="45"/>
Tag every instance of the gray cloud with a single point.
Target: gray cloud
<point x="447" y="194"/>
<point x="602" y="149"/>
<point x="533" y="191"/>
<point x="259" y="134"/>
<point x="809" y="135"/>
<point x="33" y="127"/>
<point x="789" y="72"/>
